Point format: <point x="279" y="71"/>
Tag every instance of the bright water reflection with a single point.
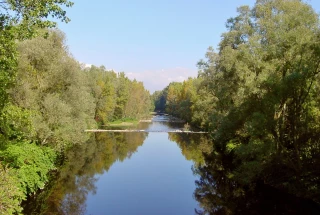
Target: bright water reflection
<point x="156" y="180"/>
<point x="124" y="173"/>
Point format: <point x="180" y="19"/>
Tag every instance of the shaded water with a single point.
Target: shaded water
<point x="123" y="173"/>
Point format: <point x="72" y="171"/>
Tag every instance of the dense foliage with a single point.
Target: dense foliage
<point x="116" y="97"/>
<point x="48" y="99"/>
<point x="20" y="20"/>
<point x="159" y="100"/>
<point x="52" y="102"/>
<point x="259" y="97"/>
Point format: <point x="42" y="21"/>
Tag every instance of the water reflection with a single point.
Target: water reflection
<point x="192" y="146"/>
<point x="67" y="194"/>
<point x="160" y="179"/>
<point x="219" y="192"/>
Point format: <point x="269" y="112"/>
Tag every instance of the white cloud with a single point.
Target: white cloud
<point x="157" y="80"/>
<point x="85" y="65"/>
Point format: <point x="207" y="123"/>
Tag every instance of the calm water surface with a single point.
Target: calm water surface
<point x="125" y="173"/>
<point x="156" y="173"/>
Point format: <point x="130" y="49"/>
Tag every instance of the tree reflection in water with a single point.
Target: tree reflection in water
<point x="218" y="191"/>
<point x="67" y="193"/>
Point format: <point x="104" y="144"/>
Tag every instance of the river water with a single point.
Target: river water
<point x="156" y="173"/>
<point x="126" y="173"/>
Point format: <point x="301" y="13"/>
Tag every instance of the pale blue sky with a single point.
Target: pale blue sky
<point x="153" y="41"/>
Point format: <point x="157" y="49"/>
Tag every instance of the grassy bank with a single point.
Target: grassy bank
<point x="123" y="123"/>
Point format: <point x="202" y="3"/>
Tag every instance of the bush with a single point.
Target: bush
<point x="10" y="194"/>
<point x="31" y="163"/>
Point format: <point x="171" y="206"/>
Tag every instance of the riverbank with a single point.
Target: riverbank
<point x="122" y="123"/>
<point x="127" y="122"/>
<point x="147" y="131"/>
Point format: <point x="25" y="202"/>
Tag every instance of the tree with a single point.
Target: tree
<point x="122" y="95"/>
<point x="172" y="101"/>
<point x="139" y="102"/>
<point x="159" y="99"/>
<point x="53" y="89"/>
<point x="262" y="87"/>
<point x="26" y="16"/>
<point x="103" y="88"/>
<point x="20" y="20"/>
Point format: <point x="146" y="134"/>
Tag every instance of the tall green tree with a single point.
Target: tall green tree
<point x="139" y="101"/>
<point x="262" y="86"/>
<point x="122" y="95"/>
<point x="53" y="89"/>
<point x="172" y="101"/>
<point x="258" y="96"/>
<point x="20" y="20"/>
<point x="103" y="88"/>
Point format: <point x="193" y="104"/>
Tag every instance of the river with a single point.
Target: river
<point x="126" y="173"/>
<point x="156" y="173"/>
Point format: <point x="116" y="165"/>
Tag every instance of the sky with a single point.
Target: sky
<point x="156" y="42"/>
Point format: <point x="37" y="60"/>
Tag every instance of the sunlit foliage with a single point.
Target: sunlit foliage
<point x="47" y="99"/>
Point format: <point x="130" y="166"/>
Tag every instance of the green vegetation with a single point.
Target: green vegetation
<point x="259" y="97"/>
<point x="47" y="99"/>
<point x="159" y="100"/>
<point x="31" y="163"/>
<point x="116" y="97"/>
<point x="123" y="122"/>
